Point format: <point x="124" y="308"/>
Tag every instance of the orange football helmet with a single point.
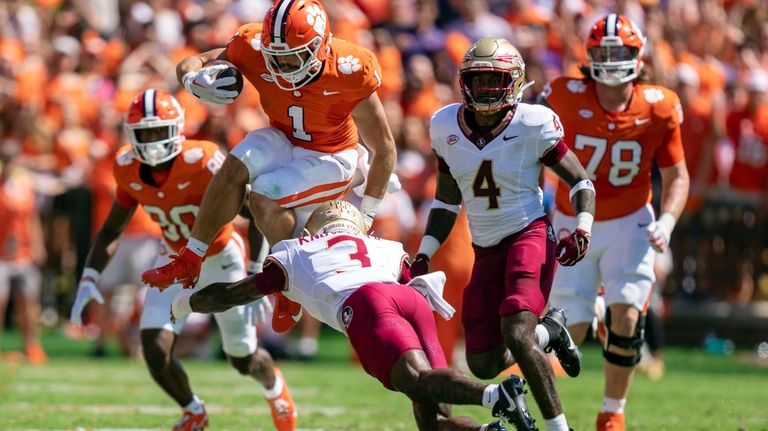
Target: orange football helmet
<point x="154" y="124"/>
<point x="615" y="50"/>
<point x="295" y="40"/>
<point x="501" y="90"/>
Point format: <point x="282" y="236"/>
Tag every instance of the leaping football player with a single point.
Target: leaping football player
<point x="319" y="93"/>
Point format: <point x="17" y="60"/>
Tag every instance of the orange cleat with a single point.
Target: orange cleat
<point x="286" y="314"/>
<point x="607" y="421"/>
<point x="283" y="410"/>
<point x="192" y="422"/>
<point x="35" y="354"/>
<point x="184" y="269"/>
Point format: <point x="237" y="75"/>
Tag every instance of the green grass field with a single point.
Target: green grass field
<point x="74" y="391"/>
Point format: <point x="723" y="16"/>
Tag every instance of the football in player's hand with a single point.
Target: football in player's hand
<point x="231" y="70"/>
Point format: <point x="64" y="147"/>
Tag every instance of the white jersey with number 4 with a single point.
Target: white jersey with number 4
<point x="323" y="270"/>
<point x="498" y="174"/>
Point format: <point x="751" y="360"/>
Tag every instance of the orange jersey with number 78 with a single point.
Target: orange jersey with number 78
<point x="617" y="149"/>
<point x="174" y="204"/>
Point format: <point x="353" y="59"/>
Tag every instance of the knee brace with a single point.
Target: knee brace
<point x="633" y="342"/>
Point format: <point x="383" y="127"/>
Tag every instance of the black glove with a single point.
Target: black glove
<point x="420" y="265"/>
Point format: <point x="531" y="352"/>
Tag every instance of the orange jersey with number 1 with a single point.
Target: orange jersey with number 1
<point x="174" y="204"/>
<point x="617" y="149"/>
<point x="317" y="116"/>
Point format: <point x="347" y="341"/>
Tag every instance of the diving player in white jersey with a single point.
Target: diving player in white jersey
<point x="490" y="151"/>
<point x="355" y="284"/>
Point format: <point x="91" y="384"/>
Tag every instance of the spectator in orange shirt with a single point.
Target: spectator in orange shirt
<point x="21" y="249"/>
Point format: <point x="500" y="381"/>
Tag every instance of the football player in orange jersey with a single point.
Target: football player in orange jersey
<point x="167" y="175"/>
<point x="319" y="93"/>
<point x="618" y="128"/>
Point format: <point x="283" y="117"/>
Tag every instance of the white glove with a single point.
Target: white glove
<point x="660" y="231"/>
<point x="202" y="84"/>
<point x="431" y="286"/>
<point x="180" y="307"/>
<point x="86" y="291"/>
<point x="262" y="310"/>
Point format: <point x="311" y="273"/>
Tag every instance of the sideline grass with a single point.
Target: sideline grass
<point x="74" y="391"/>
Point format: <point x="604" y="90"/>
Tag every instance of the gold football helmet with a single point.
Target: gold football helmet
<point x="491" y="75"/>
<point x="336" y="215"/>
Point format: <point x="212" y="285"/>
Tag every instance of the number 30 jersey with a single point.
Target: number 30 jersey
<point x="174" y="204"/>
<point x="323" y="270"/>
<point x="498" y="172"/>
<point x="617" y="149"/>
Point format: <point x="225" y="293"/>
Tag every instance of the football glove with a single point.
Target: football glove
<point x="573" y="247"/>
<point x="204" y="85"/>
<point x="420" y="265"/>
<point x="660" y="231"/>
<point x="86" y="290"/>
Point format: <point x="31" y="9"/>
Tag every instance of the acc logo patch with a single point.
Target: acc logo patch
<point x="267" y="77"/>
<point x="452" y="139"/>
<point x="193" y="155"/>
<point x="125" y="158"/>
<point x="346" y="316"/>
<point x="349" y="64"/>
<point x="586" y="113"/>
<point x="576" y="86"/>
<point x="136" y="186"/>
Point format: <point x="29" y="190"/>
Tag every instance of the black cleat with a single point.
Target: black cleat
<point x="511" y="405"/>
<point x="566" y="350"/>
<point x="495" y="426"/>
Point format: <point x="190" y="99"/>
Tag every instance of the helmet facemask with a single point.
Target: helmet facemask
<point x="612" y="63"/>
<point x="293" y="68"/>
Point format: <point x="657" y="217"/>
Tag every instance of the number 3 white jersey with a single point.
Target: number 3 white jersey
<point x="497" y="173"/>
<point x="323" y="270"/>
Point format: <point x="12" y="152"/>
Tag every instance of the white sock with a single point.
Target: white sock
<point x="542" y="336"/>
<point x="197" y="246"/>
<point x="557" y="423"/>
<point x="308" y="346"/>
<point x="612" y="405"/>
<point x="490" y="396"/>
<point x="276" y="390"/>
<point x="195" y="406"/>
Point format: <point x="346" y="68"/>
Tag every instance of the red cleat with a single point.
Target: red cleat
<point x="192" y="422"/>
<point x="184" y="269"/>
<point x="283" y="410"/>
<point x="610" y="421"/>
<point x="286" y="314"/>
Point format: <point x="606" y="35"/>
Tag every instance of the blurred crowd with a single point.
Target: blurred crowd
<point x="69" y="69"/>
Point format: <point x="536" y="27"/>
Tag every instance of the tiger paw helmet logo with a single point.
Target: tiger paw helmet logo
<point x="316" y="18"/>
<point x="349" y="65"/>
<point x="346" y="316"/>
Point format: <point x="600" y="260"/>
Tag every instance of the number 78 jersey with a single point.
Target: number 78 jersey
<point x="497" y="173"/>
<point x="617" y="149"/>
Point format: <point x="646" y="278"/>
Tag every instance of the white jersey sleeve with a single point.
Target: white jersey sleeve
<point x="498" y="179"/>
<point x="323" y="270"/>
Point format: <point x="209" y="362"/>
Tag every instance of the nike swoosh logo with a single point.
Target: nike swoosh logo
<point x="641" y="121"/>
<point x="227" y="266"/>
<point x="512" y="407"/>
<point x="643" y="224"/>
<point x="183" y="186"/>
<point x="507" y="138"/>
<point x="329" y="93"/>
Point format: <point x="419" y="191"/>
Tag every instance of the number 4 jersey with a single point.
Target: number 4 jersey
<point x="617" y="149"/>
<point x="174" y="203"/>
<point x="498" y="172"/>
<point x="323" y="270"/>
